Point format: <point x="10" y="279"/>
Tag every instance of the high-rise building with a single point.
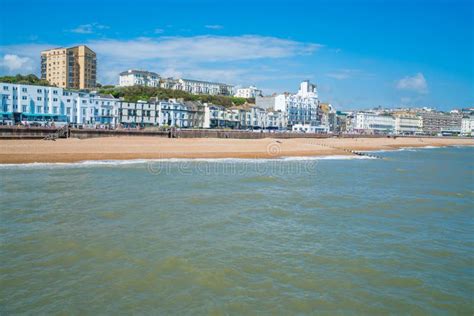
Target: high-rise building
<point x="73" y="68"/>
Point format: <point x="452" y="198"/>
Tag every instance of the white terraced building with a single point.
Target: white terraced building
<point x="373" y="123"/>
<point x="406" y="124"/>
<point x="132" y="114"/>
<point x="252" y="117"/>
<point x="197" y="86"/>
<point x="467" y="126"/>
<point x="43" y="105"/>
<point x="250" y="92"/>
<point x="134" y="77"/>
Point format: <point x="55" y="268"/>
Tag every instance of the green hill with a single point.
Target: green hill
<point x="136" y="93"/>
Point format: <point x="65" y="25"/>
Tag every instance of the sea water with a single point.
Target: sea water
<point x="286" y="236"/>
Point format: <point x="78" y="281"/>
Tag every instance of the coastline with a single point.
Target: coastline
<point x="151" y="148"/>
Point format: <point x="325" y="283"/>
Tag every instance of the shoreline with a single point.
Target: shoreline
<point x="150" y="148"/>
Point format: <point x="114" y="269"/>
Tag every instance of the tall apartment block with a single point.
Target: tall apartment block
<point x="72" y="68"/>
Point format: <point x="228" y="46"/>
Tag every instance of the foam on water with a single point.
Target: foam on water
<point x="99" y="163"/>
<point x="411" y="148"/>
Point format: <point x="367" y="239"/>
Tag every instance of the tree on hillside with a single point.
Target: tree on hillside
<point x="135" y="93"/>
<point x="25" y="79"/>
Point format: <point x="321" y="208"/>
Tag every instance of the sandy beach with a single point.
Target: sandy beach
<point x="108" y="148"/>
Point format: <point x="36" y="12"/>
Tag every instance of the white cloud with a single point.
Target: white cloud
<point x="233" y="59"/>
<point x="28" y="55"/>
<point x="89" y="28"/>
<point x="217" y="58"/>
<point x="13" y="63"/>
<point x="214" y="26"/>
<point x="416" y="83"/>
<point x="159" y="31"/>
<point x="203" y="48"/>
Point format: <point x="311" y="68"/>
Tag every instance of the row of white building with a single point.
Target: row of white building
<point x="427" y="122"/>
<point x="45" y="105"/>
<point x="133" y="77"/>
<point x="300" y="112"/>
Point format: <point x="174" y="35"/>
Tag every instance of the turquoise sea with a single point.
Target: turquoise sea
<point x="232" y="237"/>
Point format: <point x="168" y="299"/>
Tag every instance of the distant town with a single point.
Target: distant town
<point x="70" y="95"/>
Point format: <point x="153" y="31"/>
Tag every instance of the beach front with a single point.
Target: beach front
<point x="122" y="148"/>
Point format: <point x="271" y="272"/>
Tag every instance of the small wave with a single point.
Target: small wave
<point x="462" y="146"/>
<point x="79" y="164"/>
<point x="338" y="157"/>
<point x="408" y="148"/>
<point x="98" y="163"/>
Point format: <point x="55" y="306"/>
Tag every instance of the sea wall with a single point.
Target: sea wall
<point x="14" y="132"/>
<point x="92" y="133"/>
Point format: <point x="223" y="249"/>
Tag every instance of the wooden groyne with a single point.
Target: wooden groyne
<point x="355" y="152"/>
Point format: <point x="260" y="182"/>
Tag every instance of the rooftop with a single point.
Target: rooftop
<point x="136" y="71"/>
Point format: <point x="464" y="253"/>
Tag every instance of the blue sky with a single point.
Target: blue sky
<point x="359" y="53"/>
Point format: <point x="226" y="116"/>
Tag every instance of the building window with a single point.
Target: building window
<point x="23" y="97"/>
<point x="5" y="88"/>
<point x="39" y="91"/>
<point x="24" y="108"/>
<point x="24" y="90"/>
<point x="38" y="98"/>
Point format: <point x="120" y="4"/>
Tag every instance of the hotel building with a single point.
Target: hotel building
<point x="440" y="122"/>
<point x="370" y="122"/>
<point x="408" y="124"/>
<point x="302" y="109"/>
<point x="467" y="125"/>
<point x="197" y="86"/>
<point x="133" y="77"/>
<point x="250" y="92"/>
<point x="72" y="68"/>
